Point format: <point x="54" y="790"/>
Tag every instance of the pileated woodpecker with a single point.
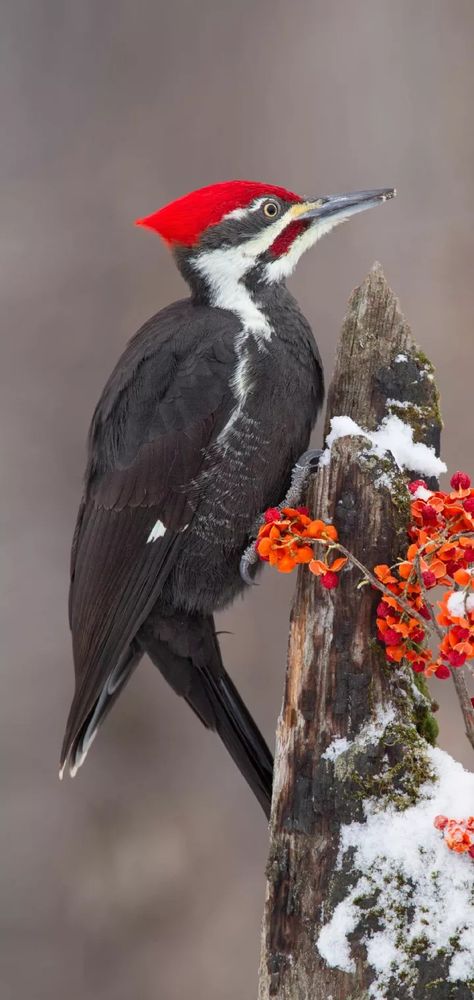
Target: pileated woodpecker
<point x="196" y="433"/>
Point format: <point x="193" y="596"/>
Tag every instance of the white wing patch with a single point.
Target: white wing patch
<point x="157" y="531"/>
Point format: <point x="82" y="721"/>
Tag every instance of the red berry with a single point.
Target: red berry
<point x="272" y="514"/>
<point x="452" y="567"/>
<point x="303" y="510"/>
<point x="470" y="850"/>
<point x="424" y="612"/>
<point x="391" y="638"/>
<point x="417" y="635"/>
<point x="456" y="659"/>
<point x="460" y="481"/>
<point x="429" y="578"/>
<point x="468" y="555"/>
<point x="393" y="658"/>
<point x="428" y="514"/>
<point x="440" y="822"/>
<point x="418" y="666"/>
<point x="450" y="553"/>
<point x="442" y="672"/>
<point x="469" y="505"/>
<point x="330" y="580"/>
<point x="382" y="609"/>
<point x="460" y="634"/>
<point x="415" y="484"/>
<point x="472" y="702"/>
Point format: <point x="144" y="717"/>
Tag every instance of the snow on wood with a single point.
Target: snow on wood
<point x="403" y="859"/>
<point x="394" y="437"/>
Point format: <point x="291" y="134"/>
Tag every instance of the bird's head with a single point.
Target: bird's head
<point x="244" y="230"/>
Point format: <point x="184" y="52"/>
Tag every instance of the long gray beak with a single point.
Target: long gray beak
<point x="345" y="205"/>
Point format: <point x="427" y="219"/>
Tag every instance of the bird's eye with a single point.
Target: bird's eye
<point x="271" y="209"/>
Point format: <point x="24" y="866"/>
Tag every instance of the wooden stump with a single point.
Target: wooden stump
<point x="338" y="686"/>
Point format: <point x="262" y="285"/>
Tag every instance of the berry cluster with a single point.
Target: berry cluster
<point x="286" y="539"/>
<point x="458" y="833"/>
<point x="441" y="554"/>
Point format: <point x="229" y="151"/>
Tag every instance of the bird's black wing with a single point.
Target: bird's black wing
<point x="165" y="403"/>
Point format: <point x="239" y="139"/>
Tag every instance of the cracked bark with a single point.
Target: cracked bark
<point x="336" y="675"/>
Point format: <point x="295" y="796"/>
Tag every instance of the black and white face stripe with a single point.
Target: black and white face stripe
<point x="244" y="213"/>
<point x="244" y="236"/>
<point x="239" y="245"/>
<point x="231" y="250"/>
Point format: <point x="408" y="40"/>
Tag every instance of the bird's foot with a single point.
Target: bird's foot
<point x="305" y="466"/>
<point x="248" y="564"/>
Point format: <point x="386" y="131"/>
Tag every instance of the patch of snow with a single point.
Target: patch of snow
<point x="457" y="603"/>
<point x="418" y="695"/>
<point x="368" y="734"/>
<point x="384" y="482"/>
<point x="470" y="602"/>
<point x="422" y="493"/>
<point x="461" y="967"/>
<point x="332" y="942"/>
<point x="403" y="404"/>
<point x="392" y="436"/>
<point x="382" y="952"/>
<point x="343" y="427"/>
<point x="403" y="858"/>
<point x="400" y="357"/>
<point x="374" y="729"/>
<point x="338" y="746"/>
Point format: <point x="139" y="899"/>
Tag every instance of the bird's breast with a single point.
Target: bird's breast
<point x="249" y="465"/>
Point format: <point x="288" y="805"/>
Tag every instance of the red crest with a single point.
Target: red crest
<point x="184" y="220"/>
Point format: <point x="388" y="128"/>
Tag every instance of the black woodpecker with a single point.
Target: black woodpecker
<point x="196" y="433"/>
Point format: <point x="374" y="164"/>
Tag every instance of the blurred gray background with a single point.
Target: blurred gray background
<point x="143" y="878"/>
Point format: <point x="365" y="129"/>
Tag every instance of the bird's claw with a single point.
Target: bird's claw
<point x="310" y="459"/>
<point x="249" y="559"/>
<point x="307" y="464"/>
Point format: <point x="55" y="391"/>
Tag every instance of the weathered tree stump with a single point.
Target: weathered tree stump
<point x="353" y="739"/>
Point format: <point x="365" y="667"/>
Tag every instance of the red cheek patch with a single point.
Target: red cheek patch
<point x="284" y="241"/>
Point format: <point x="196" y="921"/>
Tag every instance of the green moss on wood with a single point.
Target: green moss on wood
<point x="405" y="769"/>
<point x="424" y="719"/>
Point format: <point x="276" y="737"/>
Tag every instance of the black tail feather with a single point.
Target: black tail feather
<point x="186" y="651"/>
<point x="78" y="740"/>
<point x="242" y="738"/>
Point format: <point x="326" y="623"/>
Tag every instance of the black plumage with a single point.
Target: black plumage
<point x="195" y="435"/>
<point x="153" y="456"/>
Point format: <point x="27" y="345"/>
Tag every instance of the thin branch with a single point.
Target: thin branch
<point x="467" y="710"/>
<point x="381" y="586"/>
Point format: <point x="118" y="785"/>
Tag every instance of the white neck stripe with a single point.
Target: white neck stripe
<point x="224" y="269"/>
